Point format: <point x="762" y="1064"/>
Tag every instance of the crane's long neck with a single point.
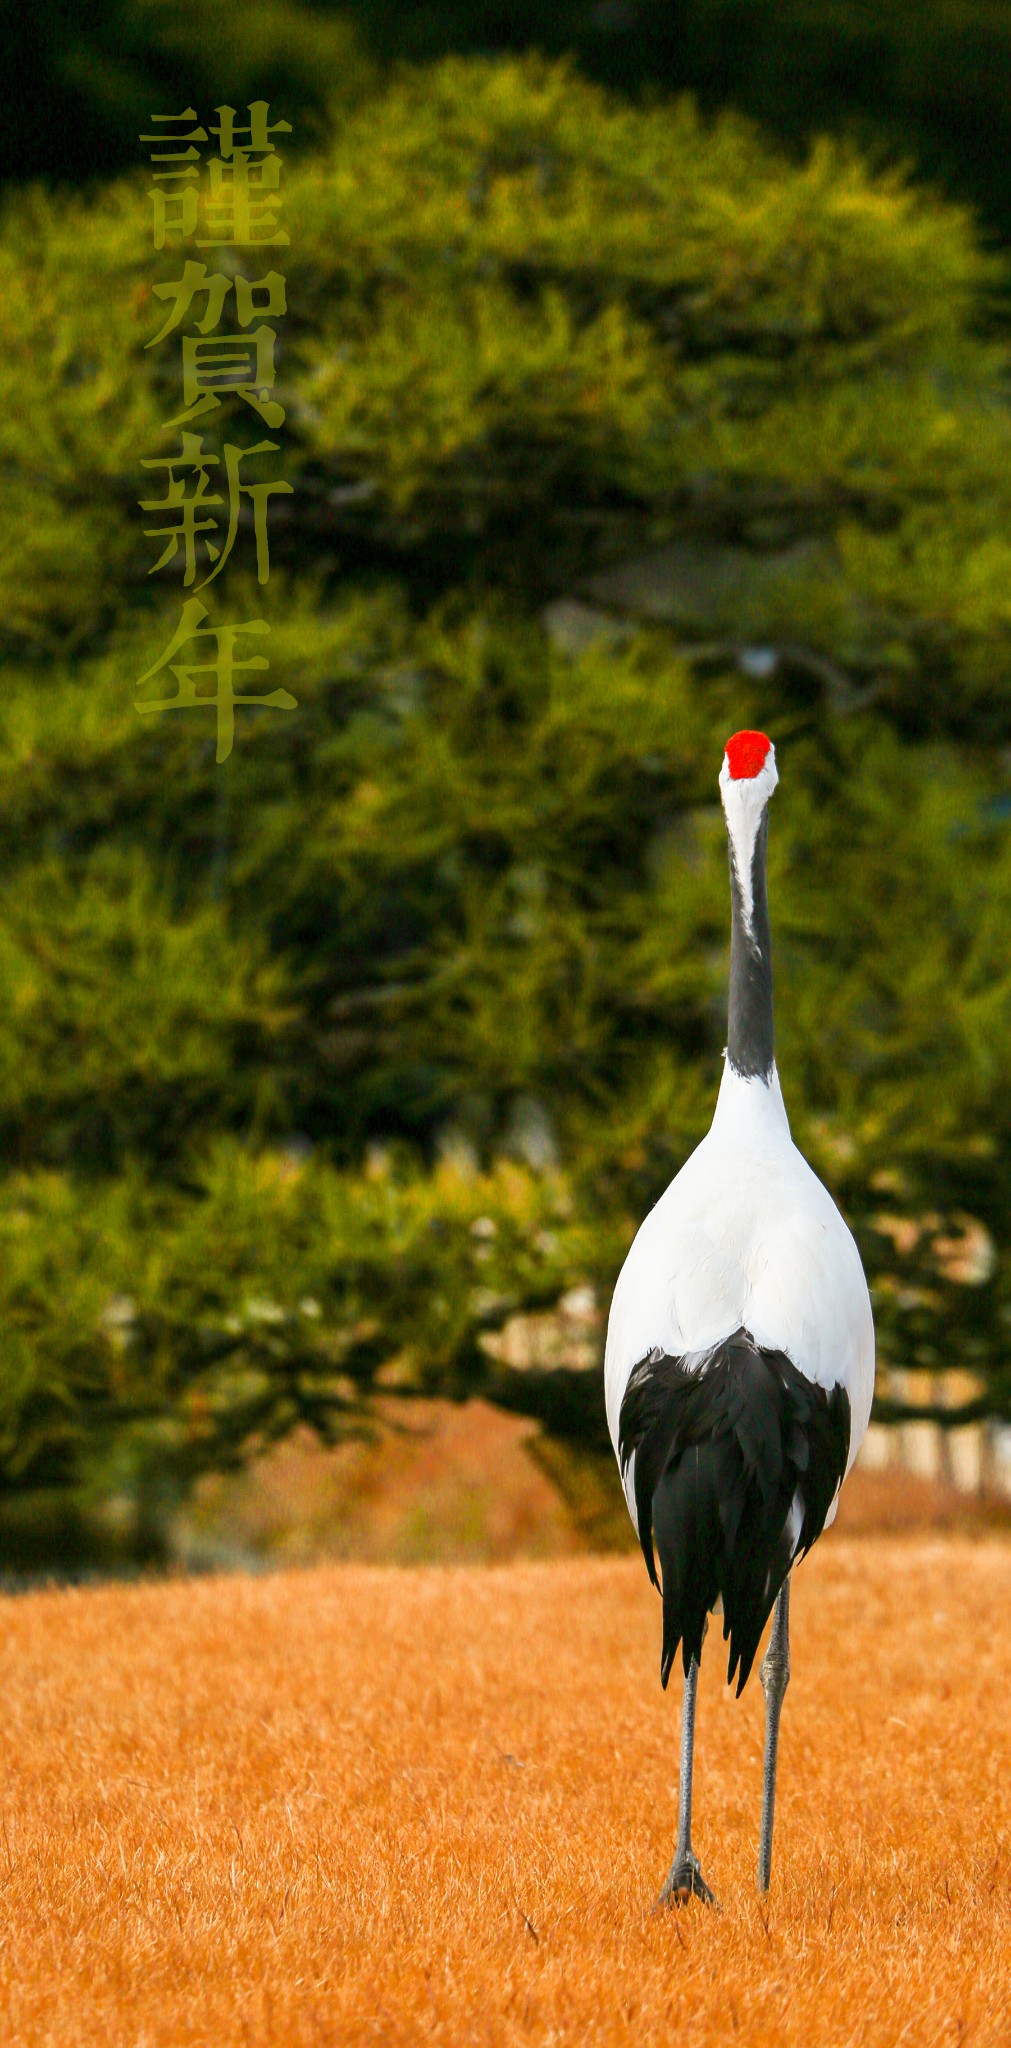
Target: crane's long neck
<point x="749" y="1022"/>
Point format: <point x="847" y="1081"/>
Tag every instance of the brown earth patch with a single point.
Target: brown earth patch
<point x="444" y="1482"/>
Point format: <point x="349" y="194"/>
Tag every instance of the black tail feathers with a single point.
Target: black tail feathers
<point x="724" y="1448"/>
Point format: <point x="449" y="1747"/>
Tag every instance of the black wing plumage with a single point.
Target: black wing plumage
<point x="722" y="1447"/>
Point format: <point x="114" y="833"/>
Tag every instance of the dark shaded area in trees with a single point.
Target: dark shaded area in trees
<point x="920" y="79"/>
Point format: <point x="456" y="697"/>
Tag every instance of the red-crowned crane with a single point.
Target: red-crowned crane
<point x="740" y="1347"/>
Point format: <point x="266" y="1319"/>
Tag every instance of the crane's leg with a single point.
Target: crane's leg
<point x="775" y="1676"/>
<point x="685" y="1879"/>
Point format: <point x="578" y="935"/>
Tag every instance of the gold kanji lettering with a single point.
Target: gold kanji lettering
<point x="259" y="129"/>
<point x="177" y="166"/>
<point x="186" y="528"/>
<point x="242" y="205"/>
<point x="221" y="671"/>
<point x="182" y="291"/>
<point x="216" y="365"/>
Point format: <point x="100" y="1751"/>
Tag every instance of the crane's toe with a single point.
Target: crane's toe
<point x="685" y="1881"/>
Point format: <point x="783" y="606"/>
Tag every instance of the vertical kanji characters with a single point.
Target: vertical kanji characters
<point x="237" y="207"/>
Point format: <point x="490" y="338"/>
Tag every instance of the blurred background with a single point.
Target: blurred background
<point x="645" y="372"/>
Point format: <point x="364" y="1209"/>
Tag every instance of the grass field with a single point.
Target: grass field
<point x="356" y="1804"/>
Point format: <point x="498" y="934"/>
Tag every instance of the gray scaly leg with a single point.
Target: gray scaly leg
<point x="775" y="1676"/>
<point x="685" y="1879"/>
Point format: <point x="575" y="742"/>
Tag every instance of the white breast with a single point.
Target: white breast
<point x="746" y="1237"/>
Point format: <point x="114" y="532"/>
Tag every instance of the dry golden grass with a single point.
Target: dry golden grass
<point x="358" y="1805"/>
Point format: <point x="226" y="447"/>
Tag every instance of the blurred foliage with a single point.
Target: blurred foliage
<point x="919" y="80"/>
<point x="122" y="1400"/>
<point x="610" y="430"/>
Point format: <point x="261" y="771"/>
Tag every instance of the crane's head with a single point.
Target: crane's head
<point x="747" y="779"/>
<point x="747" y="756"/>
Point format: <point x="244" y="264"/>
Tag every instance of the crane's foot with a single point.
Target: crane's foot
<point x="685" y="1881"/>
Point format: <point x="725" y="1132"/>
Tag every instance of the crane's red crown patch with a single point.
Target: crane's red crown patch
<point x="746" y="754"/>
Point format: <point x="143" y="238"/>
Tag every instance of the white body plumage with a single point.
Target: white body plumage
<point x="745" y="1237"/>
